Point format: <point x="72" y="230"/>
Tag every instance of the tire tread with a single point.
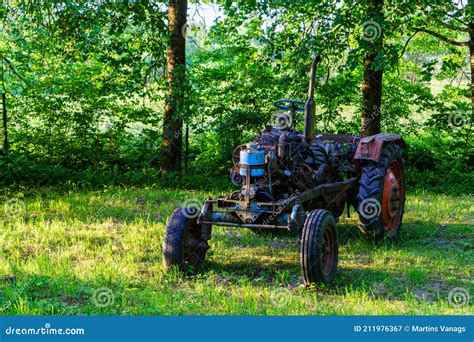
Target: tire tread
<point x="311" y="245"/>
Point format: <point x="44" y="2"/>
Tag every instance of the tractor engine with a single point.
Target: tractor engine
<point x="274" y="166"/>
<point x="280" y="163"/>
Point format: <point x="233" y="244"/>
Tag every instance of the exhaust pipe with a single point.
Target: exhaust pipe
<point x="309" y="106"/>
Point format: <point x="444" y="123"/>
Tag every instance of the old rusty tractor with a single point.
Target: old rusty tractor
<point x="302" y="182"/>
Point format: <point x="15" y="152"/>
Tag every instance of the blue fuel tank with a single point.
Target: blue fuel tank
<point x="253" y="155"/>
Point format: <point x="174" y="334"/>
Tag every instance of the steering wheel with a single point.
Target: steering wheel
<point x="292" y="105"/>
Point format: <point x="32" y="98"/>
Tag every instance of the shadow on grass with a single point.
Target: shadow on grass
<point x="389" y="271"/>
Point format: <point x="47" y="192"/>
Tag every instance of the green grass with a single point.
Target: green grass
<point x="68" y="246"/>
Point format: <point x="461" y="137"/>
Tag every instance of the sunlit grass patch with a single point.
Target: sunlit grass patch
<point x="99" y="252"/>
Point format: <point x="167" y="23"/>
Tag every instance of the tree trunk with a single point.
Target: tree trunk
<point x="471" y="54"/>
<point x="371" y="96"/>
<point x="175" y="77"/>
<point x="372" y="83"/>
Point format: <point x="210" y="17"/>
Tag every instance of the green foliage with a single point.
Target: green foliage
<point x="79" y="77"/>
<point x="85" y="82"/>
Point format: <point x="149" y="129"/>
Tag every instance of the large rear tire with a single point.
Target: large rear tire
<point x="382" y="195"/>
<point x="319" y="247"/>
<point x="182" y="244"/>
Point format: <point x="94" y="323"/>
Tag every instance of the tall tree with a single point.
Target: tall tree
<point x="373" y="70"/>
<point x="470" y="25"/>
<point x="176" y="78"/>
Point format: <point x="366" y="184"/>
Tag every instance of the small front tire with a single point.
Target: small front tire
<point x="182" y="244"/>
<point x="319" y="248"/>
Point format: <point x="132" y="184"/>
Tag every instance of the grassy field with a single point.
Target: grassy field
<point x="99" y="252"/>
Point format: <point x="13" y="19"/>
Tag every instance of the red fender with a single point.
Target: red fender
<point x="370" y="148"/>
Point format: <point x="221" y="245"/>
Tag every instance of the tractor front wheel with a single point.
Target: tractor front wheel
<point x="183" y="247"/>
<point x="319" y="247"/>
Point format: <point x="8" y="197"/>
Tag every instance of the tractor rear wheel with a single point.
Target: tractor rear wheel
<point x="382" y="195"/>
<point x="182" y="244"/>
<point x="319" y="247"/>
